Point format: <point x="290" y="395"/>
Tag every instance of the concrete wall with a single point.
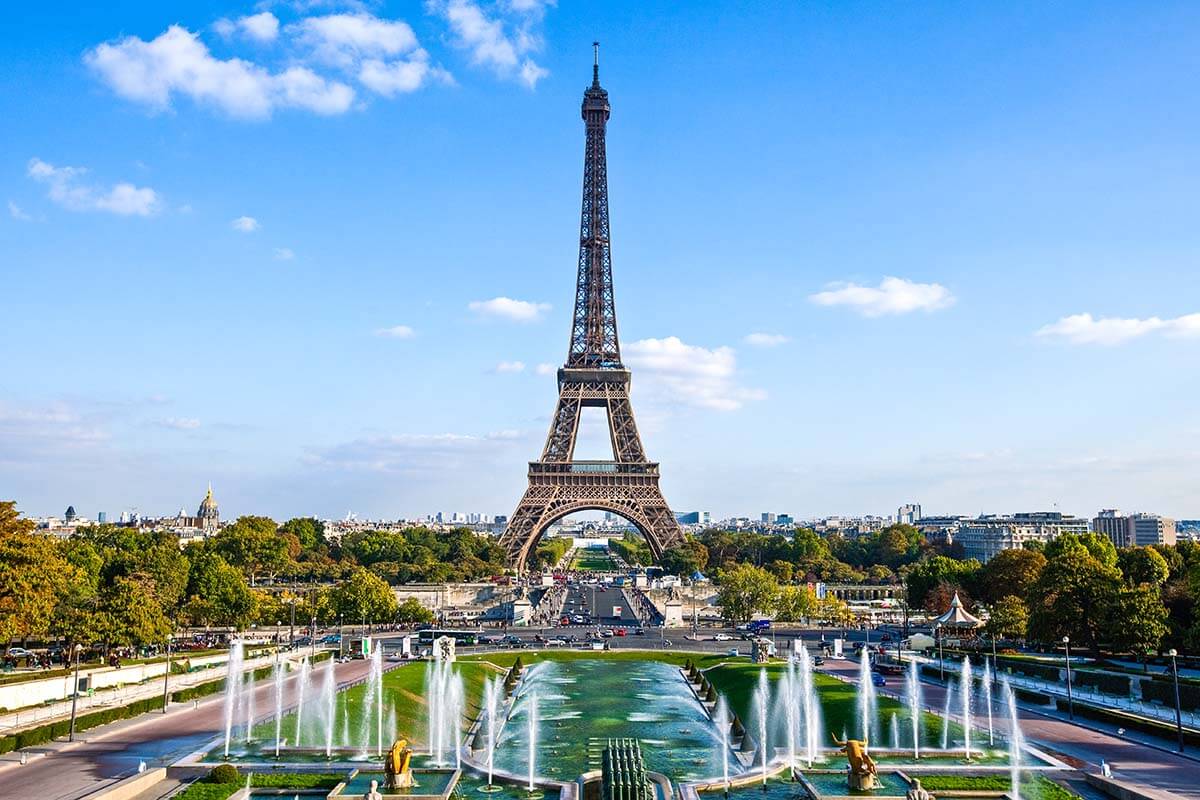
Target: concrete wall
<point x="130" y="787"/>
<point x="436" y="596"/>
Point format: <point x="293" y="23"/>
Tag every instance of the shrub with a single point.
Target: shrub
<point x="224" y="773"/>
<point x="711" y="694"/>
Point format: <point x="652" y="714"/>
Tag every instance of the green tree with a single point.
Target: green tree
<point x="309" y="532"/>
<point x="1098" y="547"/>
<point x="1009" y="618"/>
<point x="253" y="545"/>
<point x="131" y="615"/>
<point x="923" y="577"/>
<point x="364" y="596"/>
<point x="795" y="603"/>
<point x="1137" y="620"/>
<point x="1143" y="565"/>
<point x="411" y="612"/>
<point x="218" y="594"/>
<point x="746" y="590"/>
<point x="1010" y="573"/>
<point x="33" y="572"/>
<point x="1071" y="597"/>
<point x="685" y="559"/>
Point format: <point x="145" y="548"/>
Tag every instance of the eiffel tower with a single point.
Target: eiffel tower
<point x="593" y="376"/>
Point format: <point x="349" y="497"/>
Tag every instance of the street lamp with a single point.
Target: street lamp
<point x="1178" y="713"/>
<point x="167" y="674"/>
<point x="292" y="627"/>
<point x="75" y="694"/>
<point x="941" y="660"/>
<point x="1070" y="700"/>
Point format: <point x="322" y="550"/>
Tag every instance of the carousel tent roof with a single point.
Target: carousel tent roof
<point x="957" y="617"/>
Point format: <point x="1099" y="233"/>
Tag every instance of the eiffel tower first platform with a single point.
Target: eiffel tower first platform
<point x="593" y="376"/>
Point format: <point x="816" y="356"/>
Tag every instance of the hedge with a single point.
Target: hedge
<point x="1189" y="696"/>
<point x="1045" y="672"/>
<point x="1104" y="682"/>
<point x="62" y="727"/>
<point x="1155" y="727"/>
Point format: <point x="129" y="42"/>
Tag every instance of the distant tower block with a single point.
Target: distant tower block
<point x="593" y="376"/>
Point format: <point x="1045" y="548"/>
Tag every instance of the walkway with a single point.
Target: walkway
<point x="65" y="771"/>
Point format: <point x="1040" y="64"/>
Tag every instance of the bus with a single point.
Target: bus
<point x="464" y="638"/>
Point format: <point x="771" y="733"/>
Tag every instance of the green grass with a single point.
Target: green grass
<point x="1036" y="788"/>
<point x="208" y="791"/>
<point x="296" y="780"/>
<point x="594" y="560"/>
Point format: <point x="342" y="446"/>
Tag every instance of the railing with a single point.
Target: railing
<point x="592" y="468"/>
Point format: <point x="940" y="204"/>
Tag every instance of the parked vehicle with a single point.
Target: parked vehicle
<point x="722" y="637"/>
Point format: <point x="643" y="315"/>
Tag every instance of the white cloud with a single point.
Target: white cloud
<point x="181" y="423"/>
<point x="510" y="367"/>
<point x="415" y="453"/>
<point x="1085" y="329"/>
<point x="401" y="76"/>
<point x="546" y="369"/>
<point x="680" y="373"/>
<point x="499" y="44"/>
<point x="67" y="190"/>
<point x="344" y="39"/>
<point x="262" y="27"/>
<point x="396" y="332"/>
<point x="284" y="254"/>
<point x="245" y="224"/>
<point x="18" y="213"/>
<point x="507" y="308"/>
<point x="177" y="62"/>
<point x="765" y="339"/>
<point x="892" y="296"/>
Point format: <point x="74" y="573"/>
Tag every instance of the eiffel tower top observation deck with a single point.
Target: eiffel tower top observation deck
<point x="593" y="376"/>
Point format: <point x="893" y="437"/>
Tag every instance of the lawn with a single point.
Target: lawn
<point x="1036" y="788"/>
<point x="594" y="560"/>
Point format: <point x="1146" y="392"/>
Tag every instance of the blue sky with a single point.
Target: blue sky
<point x="864" y="254"/>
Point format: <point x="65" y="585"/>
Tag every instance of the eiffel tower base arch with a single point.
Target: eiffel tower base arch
<point x="633" y="495"/>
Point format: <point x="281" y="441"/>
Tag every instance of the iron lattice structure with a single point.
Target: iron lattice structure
<point x="593" y="376"/>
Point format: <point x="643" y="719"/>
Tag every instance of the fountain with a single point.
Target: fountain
<point x="531" y="712"/>
<point x="301" y="696"/>
<point x="373" y="704"/>
<point x="250" y="710"/>
<point x="789" y="696"/>
<point x="895" y="726"/>
<point x="946" y="716"/>
<point x="866" y="697"/>
<point x="329" y="705"/>
<point x="277" y="679"/>
<point x="913" y="690"/>
<point x="723" y="723"/>
<point x="1015" y="743"/>
<point x="492" y="690"/>
<point x="233" y="685"/>
<point x="965" y="689"/>
<point x="812" y="708"/>
<point x="862" y="775"/>
<point x="987" y="700"/>
<point x="762" y="694"/>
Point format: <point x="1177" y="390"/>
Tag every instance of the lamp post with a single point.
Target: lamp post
<point x="1178" y="713"/>
<point x="75" y="694"/>
<point x="167" y="675"/>
<point x="941" y="661"/>
<point x="341" y="637"/>
<point x="292" y="627"/>
<point x="1070" y="699"/>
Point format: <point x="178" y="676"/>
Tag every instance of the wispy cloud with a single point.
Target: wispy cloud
<point x="17" y="213"/>
<point x="502" y="41"/>
<point x="415" y="453"/>
<point x="396" y="332"/>
<point x="245" y="224"/>
<point x="1086" y="329"/>
<point x="765" y="339"/>
<point x="683" y="374"/>
<point x="262" y="27"/>
<point x="67" y="189"/>
<point x="509" y="309"/>
<point x="180" y="423"/>
<point x="510" y="367"/>
<point x="891" y="296"/>
<point x="546" y="369"/>
<point x="284" y="254"/>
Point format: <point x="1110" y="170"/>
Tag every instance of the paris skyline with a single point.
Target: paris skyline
<point x="886" y="257"/>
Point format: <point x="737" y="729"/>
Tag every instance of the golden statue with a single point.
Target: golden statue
<point x="862" y="773"/>
<point x="398" y="766"/>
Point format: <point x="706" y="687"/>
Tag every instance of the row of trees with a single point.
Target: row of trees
<point x="1133" y="599"/>
<point x="805" y="556"/>
<point x="122" y="586"/>
<point x="746" y="590"/>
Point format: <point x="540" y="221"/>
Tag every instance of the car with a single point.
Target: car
<point x="18" y="652"/>
<point x="878" y="679"/>
<point x="564" y="621"/>
<point x="556" y="642"/>
<point x="722" y="637"/>
<point x="606" y="633"/>
<point x="620" y="631"/>
<point x="887" y="637"/>
<point x="639" y="632"/>
<point x="733" y="651"/>
<point x="818" y="661"/>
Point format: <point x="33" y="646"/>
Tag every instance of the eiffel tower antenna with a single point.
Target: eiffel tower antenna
<point x="593" y="376"/>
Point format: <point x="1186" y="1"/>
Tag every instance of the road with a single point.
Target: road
<point x="69" y="771"/>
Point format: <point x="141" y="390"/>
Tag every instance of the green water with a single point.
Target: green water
<point x="427" y="783"/>
<point x="581" y="704"/>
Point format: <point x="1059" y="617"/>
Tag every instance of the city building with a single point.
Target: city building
<point x="982" y="538"/>
<point x="768" y="518"/>
<point x="908" y="514"/>
<point x="1130" y="530"/>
